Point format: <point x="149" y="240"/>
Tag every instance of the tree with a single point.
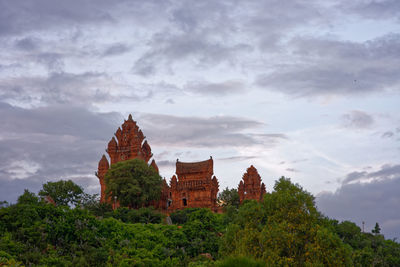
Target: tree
<point x="133" y="183"/>
<point x="377" y="229"/>
<point x="64" y="193"/>
<point x="3" y="204"/>
<point x="229" y="197"/>
<point x="350" y="233"/>
<point x="28" y="198"/>
<point x="284" y="230"/>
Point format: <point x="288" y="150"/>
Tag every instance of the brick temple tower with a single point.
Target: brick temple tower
<point x="195" y="186"/>
<point x="251" y="187"/>
<point x="127" y="144"/>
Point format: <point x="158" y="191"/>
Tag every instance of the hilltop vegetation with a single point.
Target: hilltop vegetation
<point x="285" y="229"/>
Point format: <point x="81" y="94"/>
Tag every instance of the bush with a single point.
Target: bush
<point x="240" y="262"/>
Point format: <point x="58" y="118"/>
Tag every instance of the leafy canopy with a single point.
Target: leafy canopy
<point x="133" y="183"/>
<point x="284" y="230"/>
<point x="229" y="197"/>
<point x="64" y="193"/>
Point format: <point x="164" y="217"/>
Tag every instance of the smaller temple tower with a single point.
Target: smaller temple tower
<point x="250" y="187"/>
<point x="195" y="186"/>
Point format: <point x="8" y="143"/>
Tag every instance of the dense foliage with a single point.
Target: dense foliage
<point x="63" y="192"/>
<point x="284" y="229"/>
<point x="229" y="197"/>
<point x="133" y="183"/>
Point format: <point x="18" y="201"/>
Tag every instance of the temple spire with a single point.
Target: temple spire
<point x="250" y="187"/>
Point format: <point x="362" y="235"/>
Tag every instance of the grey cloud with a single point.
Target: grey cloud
<point x="167" y="49"/>
<point x="144" y="67"/>
<point x="65" y="120"/>
<point x="374" y="201"/>
<point x="9" y="66"/>
<point x="357" y="119"/>
<point x="383" y="9"/>
<point x="53" y="61"/>
<point x="386" y="172"/>
<point x="265" y="22"/>
<point x="68" y="88"/>
<point x="166" y="163"/>
<point x="219" y="131"/>
<point x="268" y="21"/>
<point x="292" y="170"/>
<point x="51" y="143"/>
<point x="58" y="87"/>
<point x="216" y="89"/>
<point x="383" y="47"/>
<point x="327" y="67"/>
<point x="209" y="33"/>
<point x="270" y="139"/>
<point x="27" y="44"/>
<point x="12" y="189"/>
<point x="388" y="134"/>
<point x="354" y="176"/>
<point x="116" y="49"/>
<point x="189" y="16"/>
<point x="21" y="16"/>
<point x="237" y="158"/>
<point x="279" y="136"/>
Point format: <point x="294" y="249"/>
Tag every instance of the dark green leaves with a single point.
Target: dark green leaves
<point x="133" y="183"/>
<point x="63" y="193"/>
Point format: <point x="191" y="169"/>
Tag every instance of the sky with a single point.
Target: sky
<point x="304" y="89"/>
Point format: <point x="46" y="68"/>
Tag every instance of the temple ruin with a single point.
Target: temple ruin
<point x="250" y="187"/>
<point x="193" y="186"/>
<point x="127" y="145"/>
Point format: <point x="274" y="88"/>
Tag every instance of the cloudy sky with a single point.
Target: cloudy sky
<point x="305" y="89"/>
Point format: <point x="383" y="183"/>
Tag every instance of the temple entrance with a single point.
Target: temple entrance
<point x="184" y="202"/>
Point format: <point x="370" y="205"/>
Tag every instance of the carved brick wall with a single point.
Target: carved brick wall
<point x="195" y="186"/>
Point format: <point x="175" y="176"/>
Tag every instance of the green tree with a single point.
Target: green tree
<point x="28" y="198"/>
<point x="229" y="197"/>
<point x="64" y="193"/>
<point x="350" y="233"/>
<point x="377" y="229"/>
<point x="240" y="262"/>
<point x="284" y="230"/>
<point x="99" y="209"/>
<point x="3" y="204"/>
<point x="133" y="183"/>
<point x="201" y="230"/>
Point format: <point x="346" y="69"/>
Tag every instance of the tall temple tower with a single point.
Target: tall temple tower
<point x="127" y="144"/>
<point x="251" y="187"/>
<point x="195" y="187"/>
